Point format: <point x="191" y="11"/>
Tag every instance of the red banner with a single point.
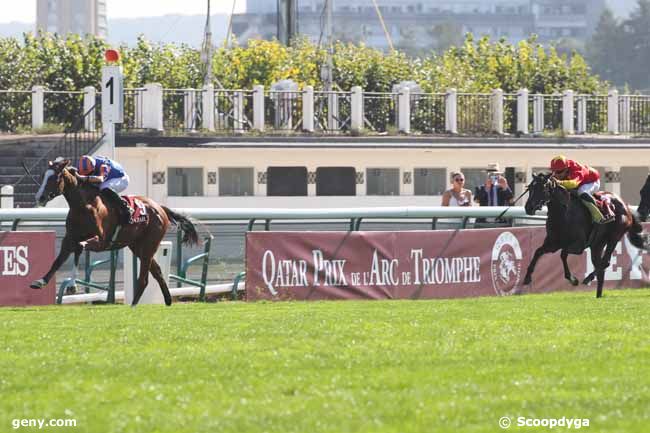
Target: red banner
<point x="418" y="264"/>
<point x="24" y="258"/>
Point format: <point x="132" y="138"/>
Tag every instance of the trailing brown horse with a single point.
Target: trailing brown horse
<point x="93" y="224"/>
<point x="569" y="228"/>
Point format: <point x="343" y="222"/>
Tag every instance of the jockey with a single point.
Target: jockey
<point x="586" y="180"/>
<point x="110" y="177"/>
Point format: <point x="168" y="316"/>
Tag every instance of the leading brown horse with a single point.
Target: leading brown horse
<point x="94" y="225"/>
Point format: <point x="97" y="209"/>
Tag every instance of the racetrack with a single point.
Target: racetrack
<point x="375" y="366"/>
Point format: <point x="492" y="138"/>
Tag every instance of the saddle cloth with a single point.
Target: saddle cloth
<point x="137" y="210"/>
<point x="605" y="201"/>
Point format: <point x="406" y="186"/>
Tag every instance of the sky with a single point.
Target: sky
<point x="25" y="10"/>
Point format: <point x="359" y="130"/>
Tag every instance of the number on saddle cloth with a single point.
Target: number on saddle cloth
<point x="137" y="210"/>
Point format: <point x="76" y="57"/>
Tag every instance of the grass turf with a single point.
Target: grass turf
<point x="402" y="366"/>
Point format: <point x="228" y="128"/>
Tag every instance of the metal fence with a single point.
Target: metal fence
<point x="380" y="111"/>
<point x="474" y="113"/>
<point x="639" y="109"/>
<point x="332" y="111"/>
<point x="233" y="110"/>
<point x="133" y="109"/>
<point x="428" y="113"/>
<point x="552" y="112"/>
<point x="182" y="109"/>
<point x="283" y="110"/>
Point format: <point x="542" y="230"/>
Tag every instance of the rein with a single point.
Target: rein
<point x="513" y="203"/>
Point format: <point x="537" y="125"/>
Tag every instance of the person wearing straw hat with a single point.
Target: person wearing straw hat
<point x="495" y="191"/>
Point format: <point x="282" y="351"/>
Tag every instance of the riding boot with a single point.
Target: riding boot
<point x="589" y="201"/>
<point x="119" y="204"/>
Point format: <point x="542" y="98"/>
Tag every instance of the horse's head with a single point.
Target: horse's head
<point x="53" y="183"/>
<point x="539" y="193"/>
<point x="644" y="206"/>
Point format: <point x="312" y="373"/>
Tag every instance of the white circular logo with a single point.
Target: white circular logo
<point x="505" y="265"/>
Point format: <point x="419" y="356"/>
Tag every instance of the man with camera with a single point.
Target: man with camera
<point x="496" y="191"/>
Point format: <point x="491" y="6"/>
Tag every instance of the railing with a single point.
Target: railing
<point x="332" y="111"/>
<point x="639" y="114"/>
<point x="283" y="110"/>
<point x="380" y="111"/>
<point x="355" y="215"/>
<point x="240" y="111"/>
<point x="552" y="112"/>
<point x="15" y="109"/>
<point x="428" y="113"/>
<point x="475" y="113"/>
<point x="233" y="110"/>
<point x="182" y="109"/>
<point x="133" y="109"/>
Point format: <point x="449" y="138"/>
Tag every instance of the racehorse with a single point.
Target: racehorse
<point x="94" y="225"/>
<point x="569" y="228"/>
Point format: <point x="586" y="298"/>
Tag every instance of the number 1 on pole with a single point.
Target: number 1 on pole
<point x="112" y="94"/>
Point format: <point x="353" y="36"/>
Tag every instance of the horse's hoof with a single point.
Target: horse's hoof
<point x="71" y="290"/>
<point x="38" y="284"/>
<point x="574" y="281"/>
<point x="527" y="280"/>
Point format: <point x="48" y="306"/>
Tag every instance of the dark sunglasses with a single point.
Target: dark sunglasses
<point x="459" y="179"/>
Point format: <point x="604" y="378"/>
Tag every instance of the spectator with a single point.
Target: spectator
<point x="457" y="195"/>
<point x="496" y="191"/>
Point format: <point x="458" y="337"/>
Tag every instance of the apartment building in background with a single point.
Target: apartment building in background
<point x="418" y="23"/>
<point x="72" y="16"/>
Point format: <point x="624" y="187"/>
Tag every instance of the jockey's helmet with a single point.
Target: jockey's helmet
<point x="558" y="163"/>
<point x="86" y="165"/>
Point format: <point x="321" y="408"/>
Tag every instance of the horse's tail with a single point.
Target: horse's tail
<point x="190" y="235"/>
<point x="635" y="231"/>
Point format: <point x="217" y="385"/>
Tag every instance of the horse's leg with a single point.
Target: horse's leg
<point x="67" y="247"/>
<point x="567" y="272"/>
<point x="545" y="248"/>
<point x="596" y="255"/>
<point x="71" y="290"/>
<point x="604" y="264"/>
<point x="157" y="274"/>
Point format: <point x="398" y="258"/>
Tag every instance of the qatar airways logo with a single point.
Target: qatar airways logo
<point x="13" y="261"/>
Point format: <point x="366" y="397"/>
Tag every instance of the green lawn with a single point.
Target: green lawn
<point x="403" y="366"/>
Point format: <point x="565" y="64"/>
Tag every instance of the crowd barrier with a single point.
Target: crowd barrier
<point x="418" y="264"/>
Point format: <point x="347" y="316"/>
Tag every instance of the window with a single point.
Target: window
<point x="286" y="181"/>
<point x="430" y="181"/>
<point x="184" y="181"/>
<point x="382" y="181"/>
<point x="236" y="181"/>
<point x="336" y="181"/>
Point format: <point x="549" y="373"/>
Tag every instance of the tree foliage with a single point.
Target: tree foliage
<point x="620" y="50"/>
<point x="473" y="66"/>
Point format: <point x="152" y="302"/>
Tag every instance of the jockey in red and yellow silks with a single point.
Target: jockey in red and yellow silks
<point x="586" y="180"/>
